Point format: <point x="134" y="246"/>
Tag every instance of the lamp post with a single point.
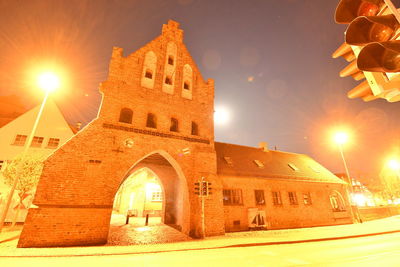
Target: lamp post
<point x="340" y="139"/>
<point x="47" y="82"/>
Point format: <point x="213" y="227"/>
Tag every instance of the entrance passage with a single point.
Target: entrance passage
<point x="139" y="215"/>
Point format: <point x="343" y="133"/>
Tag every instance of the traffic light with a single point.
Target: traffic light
<point x="209" y="188"/>
<point x="204" y="188"/>
<point x="371" y="48"/>
<point x="197" y="188"/>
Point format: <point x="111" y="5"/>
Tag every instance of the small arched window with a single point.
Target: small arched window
<point x="125" y="115"/>
<point x="168" y="80"/>
<point x="148" y="74"/>
<point x="174" y="125"/>
<point x="151" y="121"/>
<point x="171" y="60"/>
<point x="195" y="128"/>
<point x="337" y="201"/>
<point x="186" y="85"/>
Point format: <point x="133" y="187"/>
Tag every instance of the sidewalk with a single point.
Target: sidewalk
<point x="271" y="237"/>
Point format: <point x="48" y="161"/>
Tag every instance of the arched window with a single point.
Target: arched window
<point x="195" y="128"/>
<point x="187" y="81"/>
<point x="337" y="201"/>
<point x="174" y="125"/>
<point x="125" y="115"/>
<point x="151" y="121"/>
<point x="169" y="68"/>
<point x="149" y="70"/>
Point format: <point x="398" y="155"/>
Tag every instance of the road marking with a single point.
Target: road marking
<point x="298" y="261"/>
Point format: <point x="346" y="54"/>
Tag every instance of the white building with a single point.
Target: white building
<point x="52" y="131"/>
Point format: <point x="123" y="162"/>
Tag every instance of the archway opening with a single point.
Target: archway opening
<point x="139" y="200"/>
<point x="151" y="204"/>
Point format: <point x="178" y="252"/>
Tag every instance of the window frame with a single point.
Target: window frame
<point x="232" y="197"/>
<point x="151" y="121"/>
<point x="261" y="193"/>
<point x="277" y="198"/>
<point x="195" y="129"/>
<point x="307" y="200"/>
<point x="125" y="115"/>
<point x="293" y="198"/>
<point x="37" y="141"/>
<point x="50" y="142"/>
<point x="174" y="122"/>
<point x="18" y="142"/>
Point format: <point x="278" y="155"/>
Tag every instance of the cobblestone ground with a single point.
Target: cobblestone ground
<point x="120" y="234"/>
<point x="136" y="232"/>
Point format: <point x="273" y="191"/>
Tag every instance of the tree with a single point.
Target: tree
<point x="28" y="169"/>
<point x="391" y="181"/>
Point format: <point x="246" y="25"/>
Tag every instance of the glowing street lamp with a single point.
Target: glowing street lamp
<point x="48" y="82"/>
<point x="394" y="164"/>
<point x="341" y="138"/>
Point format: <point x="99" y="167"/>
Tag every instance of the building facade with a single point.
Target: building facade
<point x="52" y="131"/>
<point x="157" y="113"/>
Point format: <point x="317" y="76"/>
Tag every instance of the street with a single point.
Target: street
<point x="366" y="251"/>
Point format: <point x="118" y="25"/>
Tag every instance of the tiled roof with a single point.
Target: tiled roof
<point x="236" y="160"/>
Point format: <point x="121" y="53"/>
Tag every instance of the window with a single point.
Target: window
<point x="293" y="167"/>
<point x="293" y="198"/>
<point x="259" y="194"/>
<point x="151" y="121"/>
<point x="53" y="142"/>
<point x="20" y="140"/>
<point x="37" y="141"/>
<point x="1" y="164"/>
<point x="232" y="196"/>
<point x="228" y="160"/>
<point x="170" y="60"/>
<point x="148" y="74"/>
<point x="174" y="125"/>
<point x="168" y="80"/>
<point x="307" y="198"/>
<point x="125" y="115"/>
<point x="276" y="198"/>
<point x="156" y="196"/>
<point x="186" y="85"/>
<point x="259" y="163"/>
<point x="337" y="201"/>
<point x="195" y="128"/>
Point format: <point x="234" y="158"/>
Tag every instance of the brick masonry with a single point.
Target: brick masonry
<point x="76" y="191"/>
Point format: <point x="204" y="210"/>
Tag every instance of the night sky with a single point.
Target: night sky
<point x="271" y="62"/>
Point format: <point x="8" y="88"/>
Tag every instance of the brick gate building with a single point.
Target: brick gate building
<point x="157" y="113"/>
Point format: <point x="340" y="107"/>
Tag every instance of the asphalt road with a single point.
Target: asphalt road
<point x="381" y="250"/>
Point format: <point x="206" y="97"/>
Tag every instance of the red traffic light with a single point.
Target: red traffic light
<point x="380" y="57"/>
<point x="348" y="10"/>
<point x="364" y="30"/>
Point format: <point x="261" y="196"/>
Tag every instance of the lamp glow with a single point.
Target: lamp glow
<point x="341" y="138"/>
<point x="394" y="164"/>
<point x="48" y="81"/>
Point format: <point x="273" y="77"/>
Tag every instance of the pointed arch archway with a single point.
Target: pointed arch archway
<point x="175" y="205"/>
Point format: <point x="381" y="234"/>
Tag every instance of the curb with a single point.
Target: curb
<point x="203" y="248"/>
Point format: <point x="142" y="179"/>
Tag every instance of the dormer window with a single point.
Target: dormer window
<point x="168" y="80"/>
<point x="171" y="60"/>
<point x="293" y="167"/>
<point x="186" y="85"/>
<point x="148" y="74"/>
<point x="259" y="163"/>
<point x="228" y="160"/>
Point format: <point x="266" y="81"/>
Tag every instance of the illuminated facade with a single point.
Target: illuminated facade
<point x="157" y="115"/>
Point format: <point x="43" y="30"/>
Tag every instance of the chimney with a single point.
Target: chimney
<point x="78" y="126"/>
<point x="263" y="146"/>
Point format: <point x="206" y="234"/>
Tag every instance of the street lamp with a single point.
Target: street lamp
<point x="48" y="82"/>
<point x="341" y="138"/>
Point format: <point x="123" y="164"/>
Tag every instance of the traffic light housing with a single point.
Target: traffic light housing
<point x="370" y="47"/>
<point x="197" y="188"/>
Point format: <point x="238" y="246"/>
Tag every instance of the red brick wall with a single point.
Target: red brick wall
<point x="284" y="216"/>
<point x="79" y="181"/>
